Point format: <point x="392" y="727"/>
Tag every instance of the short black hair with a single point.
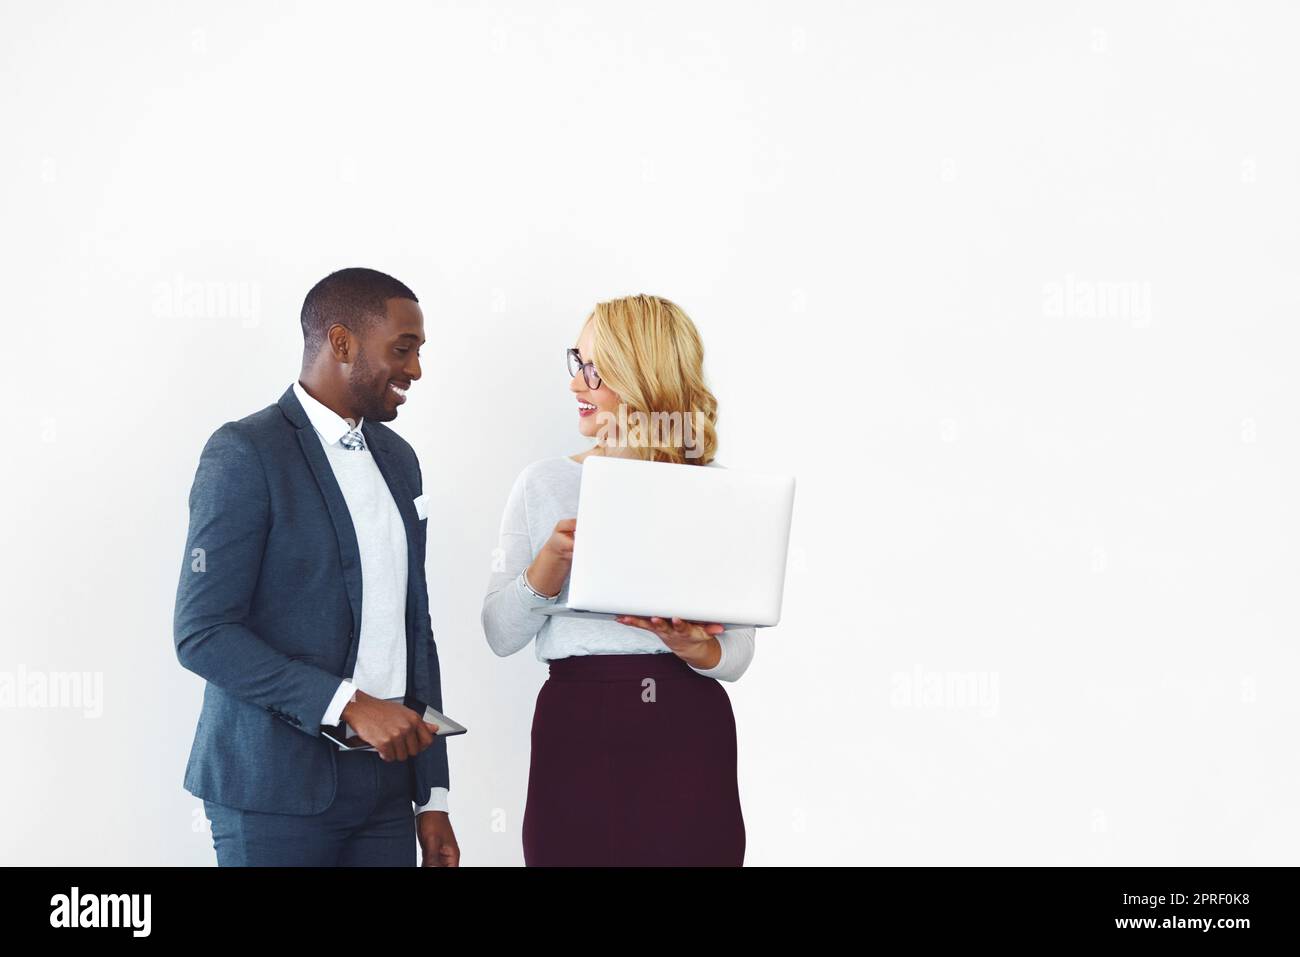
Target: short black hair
<point x="354" y="297"/>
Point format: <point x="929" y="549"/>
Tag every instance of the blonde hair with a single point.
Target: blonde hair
<point x="649" y="352"/>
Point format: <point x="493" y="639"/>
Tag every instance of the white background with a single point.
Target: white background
<point x="892" y="224"/>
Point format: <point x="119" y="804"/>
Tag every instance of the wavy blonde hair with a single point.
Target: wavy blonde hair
<point x="649" y="352"/>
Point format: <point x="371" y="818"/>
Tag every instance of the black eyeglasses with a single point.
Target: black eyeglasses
<point x="589" y="372"/>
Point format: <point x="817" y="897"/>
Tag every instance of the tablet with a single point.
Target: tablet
<point x="335" y="732"/>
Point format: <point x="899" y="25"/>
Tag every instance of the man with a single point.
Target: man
<point x="303" y="603"/>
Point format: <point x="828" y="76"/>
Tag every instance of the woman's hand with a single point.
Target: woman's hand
<point x="692" y="641"/>
<point x="551" y="566"/>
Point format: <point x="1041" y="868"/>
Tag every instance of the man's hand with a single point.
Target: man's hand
<point x="438" y="847"/>
<point x="394" y="730"/>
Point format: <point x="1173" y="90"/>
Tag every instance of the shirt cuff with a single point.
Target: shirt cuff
<point x="526" y="595"/>
<point x="722" y="660"/>
<point x="437" y="801"/>
<point x="334" y="713"/>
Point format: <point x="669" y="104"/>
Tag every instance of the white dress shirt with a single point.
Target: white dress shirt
<point x="380" y="668"/>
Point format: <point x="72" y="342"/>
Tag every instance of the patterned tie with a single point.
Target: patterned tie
<point x="353" y="440"/>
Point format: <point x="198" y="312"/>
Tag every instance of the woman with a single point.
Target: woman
<point x="624" y="771"/>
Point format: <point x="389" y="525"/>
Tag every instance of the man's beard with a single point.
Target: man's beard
<point x="368" y="391"/>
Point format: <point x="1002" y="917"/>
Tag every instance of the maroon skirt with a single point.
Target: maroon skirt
<point x="633" y="764"/>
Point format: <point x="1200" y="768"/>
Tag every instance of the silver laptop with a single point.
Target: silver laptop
<point x="695" y="542"/>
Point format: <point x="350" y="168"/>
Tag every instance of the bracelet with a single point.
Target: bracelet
<point x="523" y="576"/>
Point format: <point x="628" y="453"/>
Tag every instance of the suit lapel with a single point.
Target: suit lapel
<point x="349" y="551"/>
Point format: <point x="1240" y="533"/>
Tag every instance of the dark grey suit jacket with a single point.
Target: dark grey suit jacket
<point x="268" y="611"/>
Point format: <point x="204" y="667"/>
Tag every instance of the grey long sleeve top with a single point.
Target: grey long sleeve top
<point x="543" y="494"/>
